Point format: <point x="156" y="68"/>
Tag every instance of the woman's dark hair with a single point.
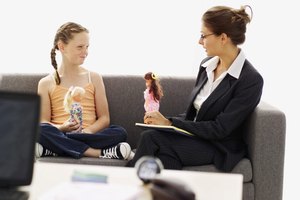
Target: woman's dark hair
<point x="65" y="33"/>
<point x="155" y="87"/>
<point x="232" y="22"/>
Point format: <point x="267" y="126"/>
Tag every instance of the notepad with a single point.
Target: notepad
<point x="165" y="128"/>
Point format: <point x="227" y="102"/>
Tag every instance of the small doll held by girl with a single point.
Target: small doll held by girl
<point x="153" y="92"/>
<point x="72" y="104"/>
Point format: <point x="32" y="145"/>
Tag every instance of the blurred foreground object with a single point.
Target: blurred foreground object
<point x="148" y="167"/>
<point x="162" y="189"/>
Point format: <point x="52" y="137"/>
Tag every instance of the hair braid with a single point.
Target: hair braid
<point x="54" y="64"/>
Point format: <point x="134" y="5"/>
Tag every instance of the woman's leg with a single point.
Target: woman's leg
<point x="174" y="150"/>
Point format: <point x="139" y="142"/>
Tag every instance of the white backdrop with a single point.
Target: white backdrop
<point x="136" y="36"/>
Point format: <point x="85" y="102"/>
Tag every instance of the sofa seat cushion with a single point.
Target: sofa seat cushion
<point x="244" y="167"/>
<point x="84" y="160"/>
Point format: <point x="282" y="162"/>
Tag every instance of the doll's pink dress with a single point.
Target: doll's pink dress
<point x="150" y="103"/>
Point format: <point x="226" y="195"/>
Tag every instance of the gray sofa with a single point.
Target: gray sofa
<point x="265" y="129"/>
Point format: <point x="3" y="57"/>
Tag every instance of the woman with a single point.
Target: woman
<point x="227" y="90"/>
<point x="62" y="136"/>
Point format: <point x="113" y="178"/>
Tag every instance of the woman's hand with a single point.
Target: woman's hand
<point x="156" y="118"/>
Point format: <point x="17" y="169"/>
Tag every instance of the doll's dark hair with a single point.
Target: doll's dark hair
<point x="155" y="87"/>
<point x="65" y="33"/>
<point x="223" y="19"/>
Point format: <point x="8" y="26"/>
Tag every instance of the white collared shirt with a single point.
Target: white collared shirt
<point x="210" y="65"/>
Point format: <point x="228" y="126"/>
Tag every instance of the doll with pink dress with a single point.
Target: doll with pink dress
<point x="153" y="92"/>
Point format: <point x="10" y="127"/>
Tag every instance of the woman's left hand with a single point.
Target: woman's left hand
<point x="156" y="118"/>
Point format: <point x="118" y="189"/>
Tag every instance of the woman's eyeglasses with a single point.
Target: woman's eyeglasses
<point x="204" y="36"/>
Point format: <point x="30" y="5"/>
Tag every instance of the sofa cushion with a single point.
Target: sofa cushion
<point x="243" y="167"/>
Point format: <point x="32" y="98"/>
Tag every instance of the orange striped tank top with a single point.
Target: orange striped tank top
<point x="59" y="115"/>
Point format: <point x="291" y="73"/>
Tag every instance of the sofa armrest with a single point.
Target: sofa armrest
<point x="265" y="136"/>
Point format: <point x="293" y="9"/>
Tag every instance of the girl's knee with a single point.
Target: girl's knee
<point x="120" y="131"/>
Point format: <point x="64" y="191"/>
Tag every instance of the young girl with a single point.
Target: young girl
<point x="97" y="138"/>
<point x="153" y="92"/>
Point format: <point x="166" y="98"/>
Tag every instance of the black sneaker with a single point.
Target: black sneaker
<point x="40" y="151"/>
<point x="120" y="151"/>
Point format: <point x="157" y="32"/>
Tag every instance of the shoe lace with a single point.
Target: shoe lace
<point x="48" y="152"/>
<point x="110" y="153"/>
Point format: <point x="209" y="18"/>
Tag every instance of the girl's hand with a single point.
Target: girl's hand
<point x="86" y="131"/>
<point x="70" y="126"/>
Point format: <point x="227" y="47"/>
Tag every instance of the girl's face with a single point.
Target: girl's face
<point x="77" y="49"/>
<point x="210" y="42"/>
<point x="148" y="83"/>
